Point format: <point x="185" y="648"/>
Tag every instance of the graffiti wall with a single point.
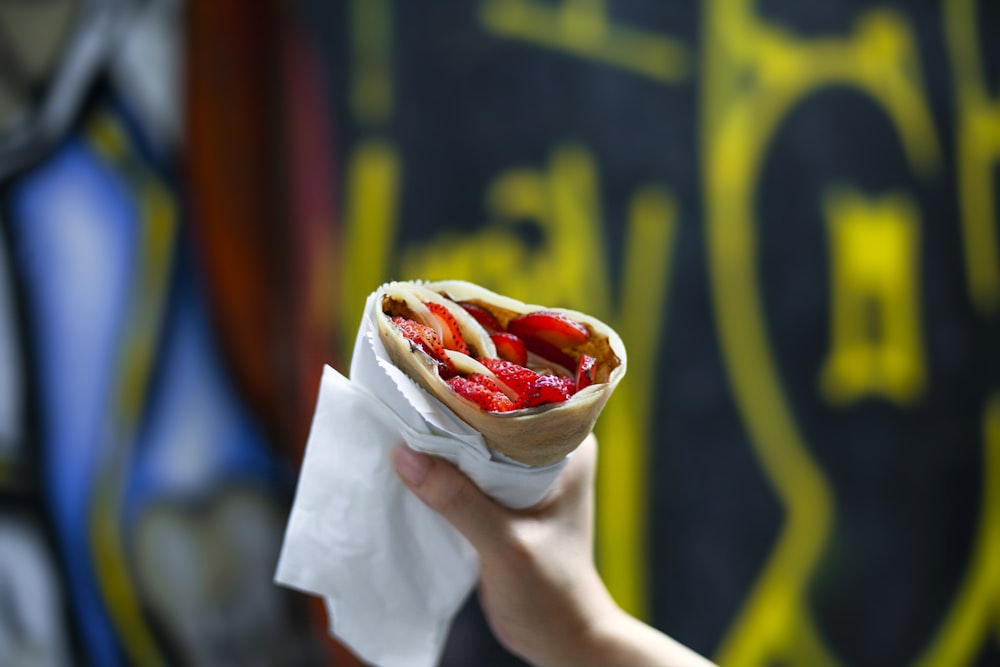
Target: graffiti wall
<point x="145" y="475"/>
<point x="787" y="210"/>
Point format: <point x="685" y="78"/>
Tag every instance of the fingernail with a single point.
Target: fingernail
<point x="411" y="466"/>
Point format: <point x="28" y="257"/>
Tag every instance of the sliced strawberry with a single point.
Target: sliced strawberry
<point x="427" y="339"/>
<point x="500" y="403"/>
<point x="451" y="334"/>
<point x="485" y="381"/>
<point x="569" y="384"/>
<point x="518" y="378"/>
<point x="550" y="326"/>
<point x="483" y="316"/>
<point x="548" y="389"/>
<point x="548" y="351"/>
<point x="511" y="348"/>
<point x="586" y="369"/>
<point x="479" y="393"/>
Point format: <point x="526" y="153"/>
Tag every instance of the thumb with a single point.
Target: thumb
<point x="443" y="488"/>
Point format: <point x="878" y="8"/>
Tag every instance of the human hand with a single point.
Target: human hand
<point x="538" y="587"/>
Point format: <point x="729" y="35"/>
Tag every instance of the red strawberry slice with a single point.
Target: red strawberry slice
<point x="548" y="389"/>
<point x="451" y="334"/>
<point x="518" y="378"/>
<point x="569" y="384"/>
<point x="586" y="369"/>
<point x="483" y="316"/>
<point x="511" y="348"/>
<point x="480" y="394"/>
<point x="485" y="381"/>
<point x="550" y="326"/>
<point x="548" y="351"/>
<point x="426" y="339"/>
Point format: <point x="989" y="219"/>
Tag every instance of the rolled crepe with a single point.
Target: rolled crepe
<point x="534" y="436"/>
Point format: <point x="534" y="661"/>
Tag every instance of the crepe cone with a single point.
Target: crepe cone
<point x="535" y="436"/>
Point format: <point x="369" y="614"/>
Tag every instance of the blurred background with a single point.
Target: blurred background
<point x="787" y="209"/>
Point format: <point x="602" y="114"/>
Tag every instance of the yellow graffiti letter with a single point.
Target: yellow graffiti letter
<point x="875" y="343"/>
<point x="978" y="147"/>
<point x="757" y="73"/>
<point x="582" y="28"/>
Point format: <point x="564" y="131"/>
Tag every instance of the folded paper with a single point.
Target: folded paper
<point x="392" y="571"/>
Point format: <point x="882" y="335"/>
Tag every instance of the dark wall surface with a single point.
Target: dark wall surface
<point x="788" y="211"/>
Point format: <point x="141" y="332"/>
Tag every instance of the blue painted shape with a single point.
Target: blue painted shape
<point x="74" y="222"/>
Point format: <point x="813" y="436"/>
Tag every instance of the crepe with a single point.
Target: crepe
<point x="534" y="436"/>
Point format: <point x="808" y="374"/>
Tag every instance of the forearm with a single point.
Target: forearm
<point x="622" y="640"/>
<point x="609" y="637"/>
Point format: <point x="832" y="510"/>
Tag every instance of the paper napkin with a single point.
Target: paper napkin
<point x="392" y="571"/>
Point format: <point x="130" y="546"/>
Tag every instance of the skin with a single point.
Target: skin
<point x="539" y="587"/>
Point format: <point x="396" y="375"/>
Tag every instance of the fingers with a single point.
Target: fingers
<point x="485" y="524"/>
<point x="445" y="489"/>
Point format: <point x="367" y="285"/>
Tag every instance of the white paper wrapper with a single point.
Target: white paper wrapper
<point x="392" y="571"/>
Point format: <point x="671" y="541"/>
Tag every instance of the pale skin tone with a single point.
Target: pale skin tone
<point x="538" y="585"/>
